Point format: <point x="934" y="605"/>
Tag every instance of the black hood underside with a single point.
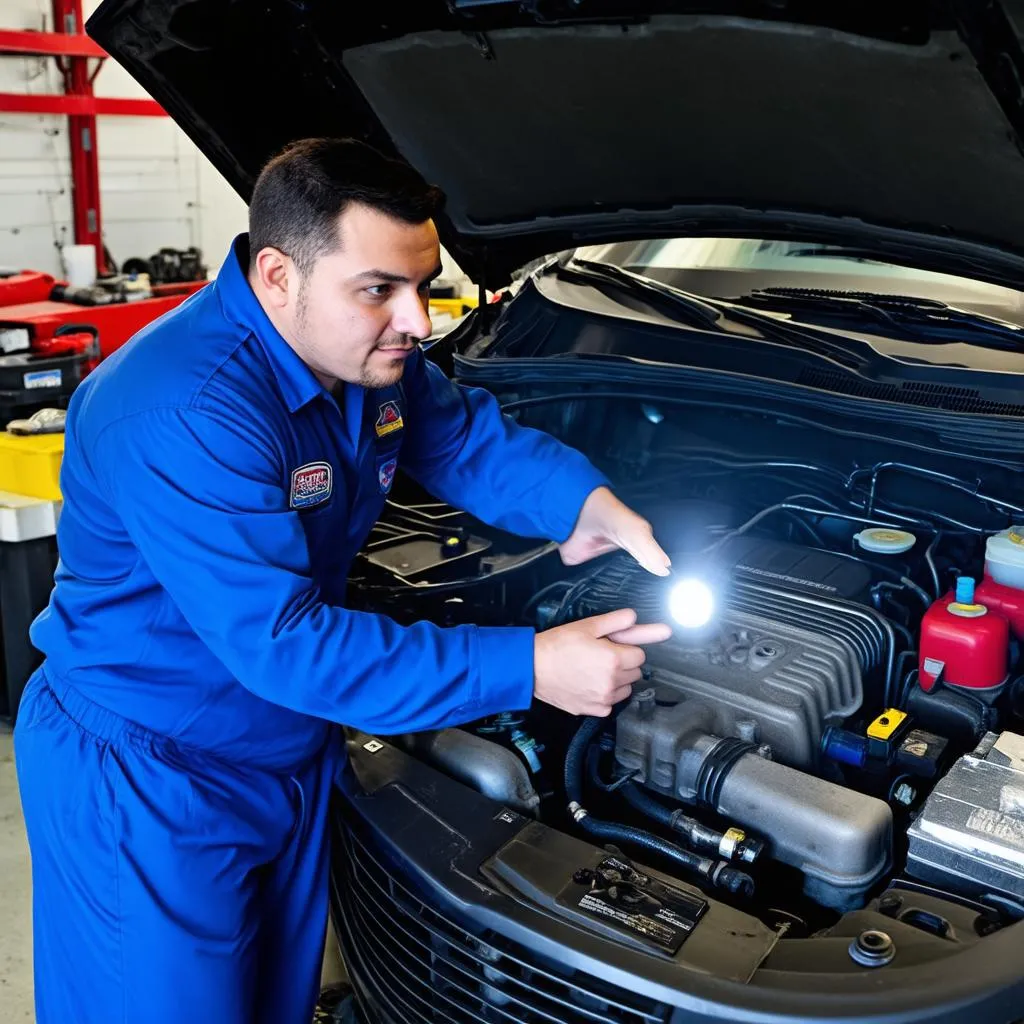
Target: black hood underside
<point x="553" y="124"/>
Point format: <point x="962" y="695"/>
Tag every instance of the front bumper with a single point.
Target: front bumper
<point x="450" y="908"/>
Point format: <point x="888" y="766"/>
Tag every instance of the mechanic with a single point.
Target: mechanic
<point x="175" y="752"/>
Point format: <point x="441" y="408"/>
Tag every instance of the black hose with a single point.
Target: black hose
<point x="646" y="804"/>
<point x="734" y="845"/>
<point x="717" y="873"/>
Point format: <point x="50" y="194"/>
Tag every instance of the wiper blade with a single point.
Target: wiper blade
<point x="918" y="319"/>
<point x="700" y="313"/>
<point x="715" y="315"/>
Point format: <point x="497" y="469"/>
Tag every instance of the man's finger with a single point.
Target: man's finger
<point x="630" y="658"/>
<point x="648" y="633"/>
<point x="640" y="543"/>
<point x="622" y="693"/>
<point x="610" y="622"/>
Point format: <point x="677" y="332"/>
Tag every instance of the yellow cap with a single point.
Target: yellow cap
<point x="886" y="724"/>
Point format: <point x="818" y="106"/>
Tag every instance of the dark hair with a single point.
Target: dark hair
<point x="301" y="193"/>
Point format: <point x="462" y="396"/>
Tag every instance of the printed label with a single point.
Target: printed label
<point x="662" y="914"/>
<point x="43" y="379"/>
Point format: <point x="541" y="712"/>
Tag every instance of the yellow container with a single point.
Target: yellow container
<point x="456" y="307"/>
<point x="31" y="465"/>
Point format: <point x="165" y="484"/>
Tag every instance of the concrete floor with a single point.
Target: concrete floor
<point x="16" y="903"/>
<point x="15" y="897"/>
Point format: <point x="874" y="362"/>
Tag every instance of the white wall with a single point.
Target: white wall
<point x="156" y="189"/>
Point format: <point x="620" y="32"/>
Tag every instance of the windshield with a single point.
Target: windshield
<point x="733" y="267"/>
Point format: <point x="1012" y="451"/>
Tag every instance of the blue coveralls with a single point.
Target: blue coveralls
<point x="175" y="752"/>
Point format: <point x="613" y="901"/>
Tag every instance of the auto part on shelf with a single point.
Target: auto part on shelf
<point x="487" y="767"/>
<point x="840" y="839"/>
<point x="969" y="836"/>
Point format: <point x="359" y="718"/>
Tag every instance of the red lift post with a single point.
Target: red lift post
<point x="73" y="50"/>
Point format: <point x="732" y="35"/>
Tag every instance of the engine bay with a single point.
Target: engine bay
<point x="852" y="711"/>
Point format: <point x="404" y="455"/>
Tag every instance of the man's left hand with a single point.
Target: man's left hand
<point x="605" y="524"/>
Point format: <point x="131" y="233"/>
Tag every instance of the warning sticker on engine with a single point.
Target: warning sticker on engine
<point x="637" y="903"/>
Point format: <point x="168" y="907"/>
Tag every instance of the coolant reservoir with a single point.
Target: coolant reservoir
<point x="1004" y="557"/>
<point x="1006" y="601"/>
<point x="963" y="643"/>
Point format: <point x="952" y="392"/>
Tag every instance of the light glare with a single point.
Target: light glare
<point x="691" y="603"/>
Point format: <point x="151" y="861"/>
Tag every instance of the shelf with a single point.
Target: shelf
<point x="78" y="106"/>
<point x="48" y="44"/>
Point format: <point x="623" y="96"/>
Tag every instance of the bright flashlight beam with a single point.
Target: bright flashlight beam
<point x="691" y="603"/>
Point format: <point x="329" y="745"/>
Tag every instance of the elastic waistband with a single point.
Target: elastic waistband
<point x="113" y="728"/>
<point x="94" y="719"/>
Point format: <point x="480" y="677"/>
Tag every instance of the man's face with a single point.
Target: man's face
<point x="358" y="314"/>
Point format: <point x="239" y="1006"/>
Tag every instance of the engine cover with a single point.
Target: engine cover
<point x="756" y="679"/>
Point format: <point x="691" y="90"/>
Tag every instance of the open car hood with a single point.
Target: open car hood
<point x="549" y="124"/>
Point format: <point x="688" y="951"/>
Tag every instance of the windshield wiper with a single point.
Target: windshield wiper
<point x="700" y="313"/>
<point x="917" y="319"/>
<point x="715" y="315"/>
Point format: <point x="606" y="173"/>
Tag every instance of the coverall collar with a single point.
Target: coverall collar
<point x="298" y="383"/>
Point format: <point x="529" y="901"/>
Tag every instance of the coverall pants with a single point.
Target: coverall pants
<point x="145" y="853"/>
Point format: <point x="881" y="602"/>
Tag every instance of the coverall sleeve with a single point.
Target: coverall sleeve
<point x="465" y="451"/>
<point x="203" y="499"/>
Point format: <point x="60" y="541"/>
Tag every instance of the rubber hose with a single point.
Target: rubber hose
<point x="575" y="758"/>
<point x="718" y="873"/>
<point x="612" y="832"/>
<point x="696" y="835"/>
<point x="646" y="804"/>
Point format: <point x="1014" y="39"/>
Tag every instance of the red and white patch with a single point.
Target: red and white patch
<point x="311" y="485"/>
<point x="386" y="473"/>
<point x="389" y="419"/>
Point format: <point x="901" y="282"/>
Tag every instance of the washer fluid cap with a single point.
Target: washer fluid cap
<point x="883" y="541"/>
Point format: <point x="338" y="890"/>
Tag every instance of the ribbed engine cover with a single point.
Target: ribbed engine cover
<point x="763" y="681"/>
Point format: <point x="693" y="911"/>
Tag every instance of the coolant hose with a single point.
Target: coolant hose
<point x="733" y="844"/>
<point x="718" y="873"/>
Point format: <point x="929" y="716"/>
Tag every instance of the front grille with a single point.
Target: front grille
<point x="418" y="965"/>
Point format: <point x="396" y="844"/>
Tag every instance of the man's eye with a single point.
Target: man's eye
<point x="379" y="291"/>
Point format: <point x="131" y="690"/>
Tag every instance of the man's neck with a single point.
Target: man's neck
<point x="329" y="384"/>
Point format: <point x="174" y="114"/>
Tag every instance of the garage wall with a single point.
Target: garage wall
<point x="156" y="188"/>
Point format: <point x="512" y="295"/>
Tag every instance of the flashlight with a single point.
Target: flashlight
<point x="691" y="603"/>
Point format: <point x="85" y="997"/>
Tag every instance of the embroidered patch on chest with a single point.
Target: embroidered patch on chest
<point x="389" y="419"/>
<point x="311" y="485"/>
<point x="386" y="473"/>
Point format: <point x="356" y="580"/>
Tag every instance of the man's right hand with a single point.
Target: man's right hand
<point x="589" y="666"/>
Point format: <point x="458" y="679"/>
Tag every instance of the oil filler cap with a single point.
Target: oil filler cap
<point x="882" y="541"/>
<point x="872" y="949"/>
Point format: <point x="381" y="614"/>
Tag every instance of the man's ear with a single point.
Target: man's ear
<point x="277" y="276"/>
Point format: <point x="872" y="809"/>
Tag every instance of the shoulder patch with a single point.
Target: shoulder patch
<point x="389" y="419"/>
<point x="386" y="473"/>
<point x="312" y="485"/>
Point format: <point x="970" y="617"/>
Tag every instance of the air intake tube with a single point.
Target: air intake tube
<point x="717" y="873"/>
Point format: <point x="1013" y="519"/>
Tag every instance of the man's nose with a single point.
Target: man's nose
<point x="411" y="317"/>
